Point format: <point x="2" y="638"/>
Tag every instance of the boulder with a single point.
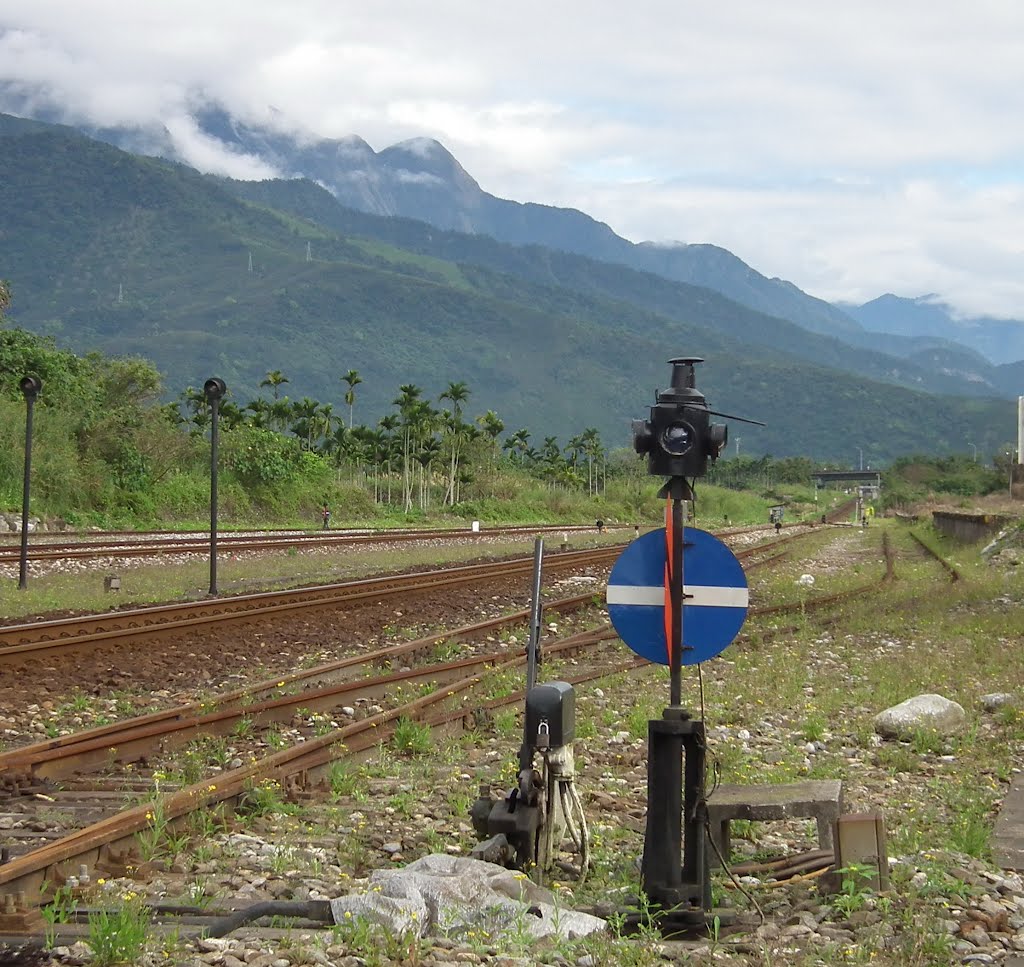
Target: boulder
<point x="997" y="700"/>
<point x="929" y="712"/>
<point x="455" y="896"/>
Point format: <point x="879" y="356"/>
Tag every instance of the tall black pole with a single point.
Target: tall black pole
<point x="214" y="418"/>
<point x="214" y="389"/>
<point x="536" y="610"/>
<point x="30" y="387"/>
<point x="676" y="603"/>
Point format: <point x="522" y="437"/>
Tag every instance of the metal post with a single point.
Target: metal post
<point x="214" y="418"/>
<point x="533" y="656"/>
<point x="676" y="603"/>
<point x="30" y="387"/>
<point x="214" y="389"/>
<point x="674" y="865"/>
<point x="536" y="608"/>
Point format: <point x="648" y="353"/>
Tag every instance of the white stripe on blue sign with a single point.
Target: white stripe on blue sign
<point x="713" y="611"/>
<point x="697" y="596"/>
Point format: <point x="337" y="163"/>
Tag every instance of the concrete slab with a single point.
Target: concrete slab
<point x="821" y="800"/>
<point x="1008" y="832"/>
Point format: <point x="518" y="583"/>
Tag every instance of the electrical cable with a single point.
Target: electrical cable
<point x="717" y="771"/>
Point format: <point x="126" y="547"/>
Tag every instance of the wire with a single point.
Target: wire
<point x="700" y="683"/>
<point x="717" y="772"/>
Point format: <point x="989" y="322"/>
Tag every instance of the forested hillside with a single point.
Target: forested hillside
<point x="108" y="251"/>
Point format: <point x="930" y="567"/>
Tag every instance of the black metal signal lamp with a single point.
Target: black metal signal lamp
<point x="214" y="389"/>
<point x="679" y="437"/>
<point x="30" y="386"/>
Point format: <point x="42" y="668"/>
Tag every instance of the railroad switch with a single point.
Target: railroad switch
<point x="526" y="827"/>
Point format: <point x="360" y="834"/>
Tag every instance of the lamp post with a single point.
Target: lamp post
<point x="30" y="387"/>
<point x="974" y="452"/>
<point x="214" y="389"/>
<point x="861" y="452"/>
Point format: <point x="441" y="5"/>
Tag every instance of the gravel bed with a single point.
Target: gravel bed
<point x="397" y="808"/>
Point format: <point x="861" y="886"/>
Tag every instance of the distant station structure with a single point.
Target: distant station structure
<point x="868" y="482"/>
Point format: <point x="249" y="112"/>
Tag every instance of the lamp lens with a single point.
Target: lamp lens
<point x="676" y="439"/>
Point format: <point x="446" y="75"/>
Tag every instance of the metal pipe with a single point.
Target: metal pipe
<point x="536" y="610"/>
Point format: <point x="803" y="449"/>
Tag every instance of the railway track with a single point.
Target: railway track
<point x="107" y="839"/>
<point x="159" y="544"/>
<point x="34" y="639"/>
<point x="110" y="843"/>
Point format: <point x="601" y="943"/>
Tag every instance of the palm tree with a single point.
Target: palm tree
<point x="457" y="393"/>
<point x="518" y="443"/>
<point x="353" y="379"/>
<point x="491" y="424"/>
<point x="409" y="406"/>
<point x="259" y="409"/>
<point x="274" y="379"/>
<point x="304" y="413"/>
<point x="280" y="413"/>
<point x="322" y="421"/>
<point x="428" y="451"/>
<point x="592" y="448"/>
<point x="388" y="424"/>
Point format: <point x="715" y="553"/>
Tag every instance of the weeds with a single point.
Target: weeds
<point x="118" y="937"/>
<point x="61" y="909"/>
<point x="264" y="799"/>
<point x="412" y="738"/>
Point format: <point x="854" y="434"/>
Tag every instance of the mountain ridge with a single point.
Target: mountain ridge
<point x="110" y="251"/>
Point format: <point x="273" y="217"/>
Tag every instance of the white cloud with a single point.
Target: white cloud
<point x="854" y="149"/>
<point x="208" y="154"/>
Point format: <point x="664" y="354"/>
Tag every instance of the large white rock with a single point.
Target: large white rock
<point x="931" y="712"/>
<point x="453" y="895"/>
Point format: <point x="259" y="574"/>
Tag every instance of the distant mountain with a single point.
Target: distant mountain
<point x="106" y="250"/>
<point x="1000" y="341"/>
<point x="858" y="352"/>
<point x="420" y="179"/>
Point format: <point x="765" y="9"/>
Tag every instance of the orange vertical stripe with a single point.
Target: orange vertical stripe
<point x="669" y="567"/>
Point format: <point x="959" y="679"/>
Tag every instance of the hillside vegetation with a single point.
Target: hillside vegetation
<point x="106" y="451"/>
<point x="126" y="255"/>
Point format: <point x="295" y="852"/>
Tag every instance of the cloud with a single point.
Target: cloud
<point x="853" y="149"/>
<point x="417" y="178"/>
<point x="208" y="154"/>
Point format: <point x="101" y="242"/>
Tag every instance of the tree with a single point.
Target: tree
<point x="388" y="424"/>
<point x="353" y="379"/>
<point x="518" y="444"/>
<point x="274" y="379"/>
<point x="457" y="393"/>
<point x="493" y="427"/>
<point x="410" y="412"/>
<point x="593" y="449"/>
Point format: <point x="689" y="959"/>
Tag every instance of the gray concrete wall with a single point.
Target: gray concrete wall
<point x="968" y="528"/>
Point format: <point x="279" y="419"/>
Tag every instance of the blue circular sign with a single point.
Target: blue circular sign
<point x="714" y="604"/>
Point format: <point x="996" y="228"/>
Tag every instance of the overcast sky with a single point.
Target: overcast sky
<point x="853" y="148"/>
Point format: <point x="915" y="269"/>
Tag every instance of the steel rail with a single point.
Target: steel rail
<point x="34" y="638"/>
<point x="58" y="757"/>
<point x="106" y="547"/>
<point x="23" y="877"/>
<point x="951" y="571"/>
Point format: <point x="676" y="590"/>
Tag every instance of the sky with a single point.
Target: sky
<point x="853" y="148"/>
